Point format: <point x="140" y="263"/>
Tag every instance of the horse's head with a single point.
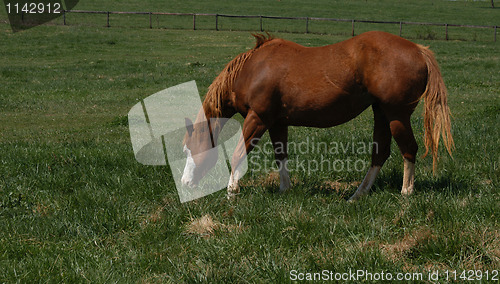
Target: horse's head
<point x="200" y="152"/>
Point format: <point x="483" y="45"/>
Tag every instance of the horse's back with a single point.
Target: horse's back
<point x="329" y="85"/>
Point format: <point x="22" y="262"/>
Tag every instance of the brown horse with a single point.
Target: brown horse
<point x="280" y="83"/>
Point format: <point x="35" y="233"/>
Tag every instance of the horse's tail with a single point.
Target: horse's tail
<point x="436" y="111"/>
<point x="222" y="86"/>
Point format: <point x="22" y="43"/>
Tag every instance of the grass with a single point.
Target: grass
<point x="75" y="206"/>
<point x="441" y="12"/>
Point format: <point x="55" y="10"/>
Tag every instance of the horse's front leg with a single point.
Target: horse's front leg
<point x="253" y="129"/>
<point x="279" y="137"/>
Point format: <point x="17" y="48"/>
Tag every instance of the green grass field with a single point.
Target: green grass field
<point x="75" y="206"/>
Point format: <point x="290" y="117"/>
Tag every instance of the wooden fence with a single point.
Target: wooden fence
<point x="306" y="20"/>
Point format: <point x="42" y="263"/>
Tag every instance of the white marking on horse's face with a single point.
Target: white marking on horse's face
<point x="188" y="175"/>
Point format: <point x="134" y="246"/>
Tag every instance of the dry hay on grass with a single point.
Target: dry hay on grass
<point x="409" y="242"/>
<point x="271" y="179"/>
<point x="489" y="241"/>
<point x="206" y="227"/>
<point x="483" y="259"/>
<point x="153" y="217"/>
<point x="339" y="186"/>
<point x="493" y="246"/>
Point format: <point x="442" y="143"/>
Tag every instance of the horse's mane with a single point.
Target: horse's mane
<point x="222" y="86"/>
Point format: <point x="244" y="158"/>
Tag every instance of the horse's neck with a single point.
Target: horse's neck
<point x="209" y="119"/>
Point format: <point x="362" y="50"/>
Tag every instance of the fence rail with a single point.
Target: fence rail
<point x="307" y="20"/>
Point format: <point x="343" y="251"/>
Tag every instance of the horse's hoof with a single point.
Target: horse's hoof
<point x="407" y="191"/>
<point x="284" y="190"/>
<point x="231" y="196"/>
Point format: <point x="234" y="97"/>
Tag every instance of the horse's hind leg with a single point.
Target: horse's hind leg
<point x="279" y="137"/>
<point x="402" y="132"/>
<point x="381" y="150"/>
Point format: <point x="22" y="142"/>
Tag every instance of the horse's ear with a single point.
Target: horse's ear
<point x="189" y="126"/>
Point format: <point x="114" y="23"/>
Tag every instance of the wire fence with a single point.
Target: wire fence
<point x="207" y="21"/>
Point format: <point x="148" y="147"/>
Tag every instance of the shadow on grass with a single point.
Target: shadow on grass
<point x="388" y="181"/>
<point x="393" y="180"/>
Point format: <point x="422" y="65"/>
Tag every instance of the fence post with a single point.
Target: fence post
<point x="400" y="28"/>
<point x="261" y="23"/>
<point x="150" y="20"/>
<point x="216" y="22"/>
<point x="352" y="28"/>
<point x="446" y="29"/>
<point x="194" y="22"/>
<point x="495" y="33"/>
<point x="307" y="25"/>
<point x="64" y="17"/>
<point x="107" y="24"/>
